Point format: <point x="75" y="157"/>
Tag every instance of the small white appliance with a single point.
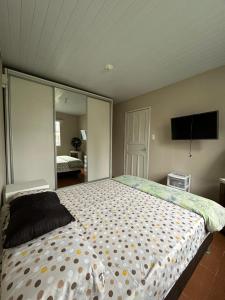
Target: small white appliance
<point x="179" y="181"/>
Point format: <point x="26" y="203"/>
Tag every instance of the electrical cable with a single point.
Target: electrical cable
<point x="190" y="150"/>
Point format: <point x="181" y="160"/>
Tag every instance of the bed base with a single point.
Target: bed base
<point x="69" y="172"/>
<point x="178" y="287"/>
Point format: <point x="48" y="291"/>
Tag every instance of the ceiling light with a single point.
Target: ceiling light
<point x="109" y="67"/>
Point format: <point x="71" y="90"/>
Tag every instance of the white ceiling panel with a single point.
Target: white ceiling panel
<point x="151" y="43"/>
<point x="70" y="102"/>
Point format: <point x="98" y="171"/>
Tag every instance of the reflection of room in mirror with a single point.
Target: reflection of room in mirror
<point x="70" y="137"/>
<point x="83" y="134"/>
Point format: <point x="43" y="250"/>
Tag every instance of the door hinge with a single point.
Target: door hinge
<point x="4" y="81"/>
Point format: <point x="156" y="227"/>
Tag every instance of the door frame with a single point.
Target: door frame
<point x="125" y="137"/>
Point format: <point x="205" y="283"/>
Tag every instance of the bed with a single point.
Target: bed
<point x="67" y="163"/>
<point x="124" y="244"/>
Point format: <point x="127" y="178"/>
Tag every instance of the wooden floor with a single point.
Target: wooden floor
<point x="208" y="280"/>
<point x="70" y="178"/>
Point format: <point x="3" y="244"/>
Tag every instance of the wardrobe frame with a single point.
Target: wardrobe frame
<point x="7" y="110"/>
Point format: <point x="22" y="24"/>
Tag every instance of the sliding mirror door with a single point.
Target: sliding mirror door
<point x="82" y="138"/>
<point x="70" y="137"/>
<point x="99" y="139"/>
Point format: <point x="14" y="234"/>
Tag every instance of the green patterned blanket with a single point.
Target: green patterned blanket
<point x="212" y="212"/>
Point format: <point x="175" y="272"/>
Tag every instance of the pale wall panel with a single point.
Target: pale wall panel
<point x="32" y="130"/>
<point x="98" y="139"/>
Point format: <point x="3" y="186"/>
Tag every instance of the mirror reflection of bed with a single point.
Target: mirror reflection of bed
<point x="70" y="137"/>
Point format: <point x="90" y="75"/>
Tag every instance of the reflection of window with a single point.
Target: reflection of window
<point x="57" y="133"/>
<point x="83" y="134"/>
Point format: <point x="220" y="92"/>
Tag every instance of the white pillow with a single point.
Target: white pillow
<point x="29" y="192"/>
<point x="33" y="185"/>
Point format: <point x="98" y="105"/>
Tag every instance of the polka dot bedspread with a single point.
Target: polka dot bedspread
<point x="124" y="244"/>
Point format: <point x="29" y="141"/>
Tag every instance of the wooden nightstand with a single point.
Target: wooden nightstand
<point x="222" y="195"/>
<point x="76" y="154"/>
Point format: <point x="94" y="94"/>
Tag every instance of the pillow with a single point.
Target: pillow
<point x="5" y="210"/>
<point x="10" y="190"/>
<point x="4" y="220"/>
<point x="28" y="192"/>
<point x="34" y="215"/>
<point x="45" y="199"/>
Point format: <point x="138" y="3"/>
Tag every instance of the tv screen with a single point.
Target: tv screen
<point x="198" y="126"/>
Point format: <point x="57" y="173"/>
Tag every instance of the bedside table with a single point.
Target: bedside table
<point x="12" y="189"/>
<point x="76" y="154"/>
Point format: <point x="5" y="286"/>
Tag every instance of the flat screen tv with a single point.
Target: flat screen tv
<point x="196" y="127"/>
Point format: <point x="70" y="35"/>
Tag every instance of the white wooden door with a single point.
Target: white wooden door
<point x="98" y="139"/>
<point x="136" y="148"/>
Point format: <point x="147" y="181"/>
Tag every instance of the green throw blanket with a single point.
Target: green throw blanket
<point x="212" y="212"/>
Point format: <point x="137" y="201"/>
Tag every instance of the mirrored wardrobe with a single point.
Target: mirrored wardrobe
<point x="70" y="137"/>
<point x="55" y="132"/>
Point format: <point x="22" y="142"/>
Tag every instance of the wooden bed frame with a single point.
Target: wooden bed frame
<point x="178" y="287"/>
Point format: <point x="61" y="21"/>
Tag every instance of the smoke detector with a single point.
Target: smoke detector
<point x="109" y="67"/>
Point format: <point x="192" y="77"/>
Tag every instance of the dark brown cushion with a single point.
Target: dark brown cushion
<point x="35" y="200"/>
<point x="34" y="215"/>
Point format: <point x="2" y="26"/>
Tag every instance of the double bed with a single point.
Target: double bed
<point x="125" y="243"/>
<point x="67" y="163"/>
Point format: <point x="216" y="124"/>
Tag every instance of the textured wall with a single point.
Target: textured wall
<point x="205" y="92"/>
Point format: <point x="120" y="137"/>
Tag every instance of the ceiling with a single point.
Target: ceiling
<point x="69" y="102"/>
<point x="151" y="43"/>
